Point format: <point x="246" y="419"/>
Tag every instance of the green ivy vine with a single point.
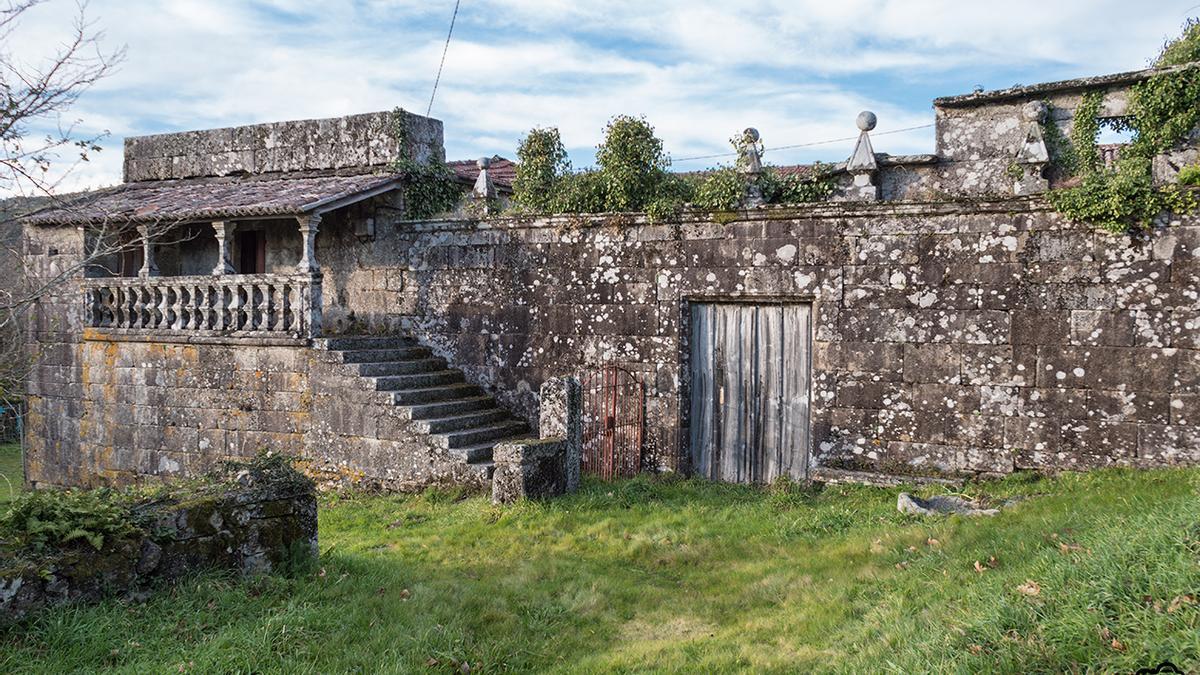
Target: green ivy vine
<point x="430" y="187"/>
<point x="1163" y="111"/>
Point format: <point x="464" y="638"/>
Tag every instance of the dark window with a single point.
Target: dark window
<point x="252" y="252"/>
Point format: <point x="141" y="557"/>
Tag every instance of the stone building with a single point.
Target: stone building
<point x="935" y="316"/>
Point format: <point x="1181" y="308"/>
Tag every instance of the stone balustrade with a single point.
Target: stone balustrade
<point x="242" y="305"/>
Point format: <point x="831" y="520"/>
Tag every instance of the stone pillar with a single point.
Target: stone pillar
<point x="750" y="164"/>
<point x="149" y="266"/>
<point x="560" y="415"/>
<point x="1033" y="156"/>
<point x="223" y="230"/>
<point x="862" y="165"/>
<point x="309" y="224"/>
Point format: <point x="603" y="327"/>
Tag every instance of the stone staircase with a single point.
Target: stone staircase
<point x="456" y="417"/>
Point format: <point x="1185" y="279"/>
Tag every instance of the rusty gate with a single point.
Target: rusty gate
<point x="613" y="422"/>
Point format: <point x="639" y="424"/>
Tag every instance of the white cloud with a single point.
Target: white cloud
<point x="799" y="70"/>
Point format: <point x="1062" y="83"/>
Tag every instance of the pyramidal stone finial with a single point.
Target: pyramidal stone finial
<point x="862" y="164"/>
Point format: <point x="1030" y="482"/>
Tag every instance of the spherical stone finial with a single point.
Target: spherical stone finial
<point x="751" y="134"/>
<point x="1034" y="111"/>
<point x="866" y="120"/>
<point x="483" y="163"/>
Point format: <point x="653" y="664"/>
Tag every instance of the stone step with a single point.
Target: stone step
<point x="422" y="395"/>
<point x="472" y="420"/>
<point x="460" y="406"/>
<point x="356" y="342"/>
<point x="401" y="367"/>
<point x="480" y="453"/>
<point x="468" y="437"/>
<point x="417" y="380"/>
<point x="381" y="355"/>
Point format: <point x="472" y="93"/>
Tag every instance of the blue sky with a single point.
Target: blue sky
<point x="700" y="70"/>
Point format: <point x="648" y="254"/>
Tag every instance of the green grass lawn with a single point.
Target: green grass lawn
<point x="1095" y="572"/>
<point x="12" y="472"/>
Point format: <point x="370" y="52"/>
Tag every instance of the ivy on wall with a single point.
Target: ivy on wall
<point x="1163" y="111"/>
<point x="430" y="187"/>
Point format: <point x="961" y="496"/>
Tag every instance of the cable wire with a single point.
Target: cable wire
<point x="443" y="62"/>
<point x="803" y="145"/>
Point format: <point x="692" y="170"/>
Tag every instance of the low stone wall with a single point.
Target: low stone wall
<point x="250" y="530"/>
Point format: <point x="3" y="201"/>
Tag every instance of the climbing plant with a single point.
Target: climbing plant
<point x="430" y="187"/>
<point x="1163" y="111"/>
<point x="542" y="164"/>
<point x="631" y="162"/>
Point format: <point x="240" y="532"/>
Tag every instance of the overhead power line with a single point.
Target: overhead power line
<point x="804" y="145"/>
<point x="441" y="65"/>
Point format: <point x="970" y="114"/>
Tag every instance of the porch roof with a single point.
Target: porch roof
<point x="206" y="199"/>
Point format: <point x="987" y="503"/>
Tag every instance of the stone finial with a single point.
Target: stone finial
<point x="862" y="164"/>
<point x="1033" y="156"/>
<point x="749" y="163"/>
<point x="749" y="154"/>
<point x="484" y="187"/>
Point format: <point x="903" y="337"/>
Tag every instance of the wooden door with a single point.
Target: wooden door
<point x="751" y="367"/>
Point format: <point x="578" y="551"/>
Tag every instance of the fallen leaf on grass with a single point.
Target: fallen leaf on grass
<point x="1179" y="602"/>
<point x="1117" y="645"/>
<point x="975" y="649"/>
<point x="902" y="565"/>
<point x="1030" y="587"/>
<point x="912" y="549"/>
<point x="979" y="568"/>
<point x="932" y="543"/>
<point x="405" y="594"/>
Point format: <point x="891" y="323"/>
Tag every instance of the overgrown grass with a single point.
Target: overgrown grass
<point x="686" y="576"/>
<point x="12" y="471"/>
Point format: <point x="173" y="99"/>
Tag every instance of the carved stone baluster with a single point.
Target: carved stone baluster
<point x="264" y="307"/>
<point x="219" y="306"/>
<point x="177" y="307"/>
<point x="235" y="307"/>
<point x="139" y="307"/>
<point x="279" y="304"/>
<point x="205" y="303"/>
<point x="163" y="318"/>
<point x="90" y="306"/>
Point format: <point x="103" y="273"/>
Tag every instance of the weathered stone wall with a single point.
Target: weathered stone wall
<point x="952" y="337"/>
<point x="249" y="529"/>
<point x="351" y="142"/>
<point x="112" y="410"/>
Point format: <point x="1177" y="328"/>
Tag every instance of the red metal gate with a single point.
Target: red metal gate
<point x="613" y="401"/>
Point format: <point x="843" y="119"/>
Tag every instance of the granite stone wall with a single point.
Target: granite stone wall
<point x="952" y="337"/>
<point x="353" y="142"/>
<point x="250" y="527"/>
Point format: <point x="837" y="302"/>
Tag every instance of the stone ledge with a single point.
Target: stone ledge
<point x="197" y="338"/>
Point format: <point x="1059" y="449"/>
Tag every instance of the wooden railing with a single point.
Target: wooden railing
<point x="249" y="305"/>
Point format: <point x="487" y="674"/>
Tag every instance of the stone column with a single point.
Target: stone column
<point x="862" y="165"/>
<point x="223" y="230"/>
<point x="149" y="267"/>
<point x="309" y="224"/>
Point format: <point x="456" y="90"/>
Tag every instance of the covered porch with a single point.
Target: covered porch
<point x="216" y="258"/>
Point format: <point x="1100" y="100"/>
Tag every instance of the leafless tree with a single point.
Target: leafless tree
<point x="37" y="95"/>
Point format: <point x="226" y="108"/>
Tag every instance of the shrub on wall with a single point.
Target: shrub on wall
<point x="541" y="165"/>
<point x="1163" y="111"/>
<point x="631" y="162"/>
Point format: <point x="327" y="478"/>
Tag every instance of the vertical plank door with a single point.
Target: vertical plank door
<point x="750" y="366"/>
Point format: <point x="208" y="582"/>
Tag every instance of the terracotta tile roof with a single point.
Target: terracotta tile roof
<point x="502" y="170"/>
<point x="211" y="199"/>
